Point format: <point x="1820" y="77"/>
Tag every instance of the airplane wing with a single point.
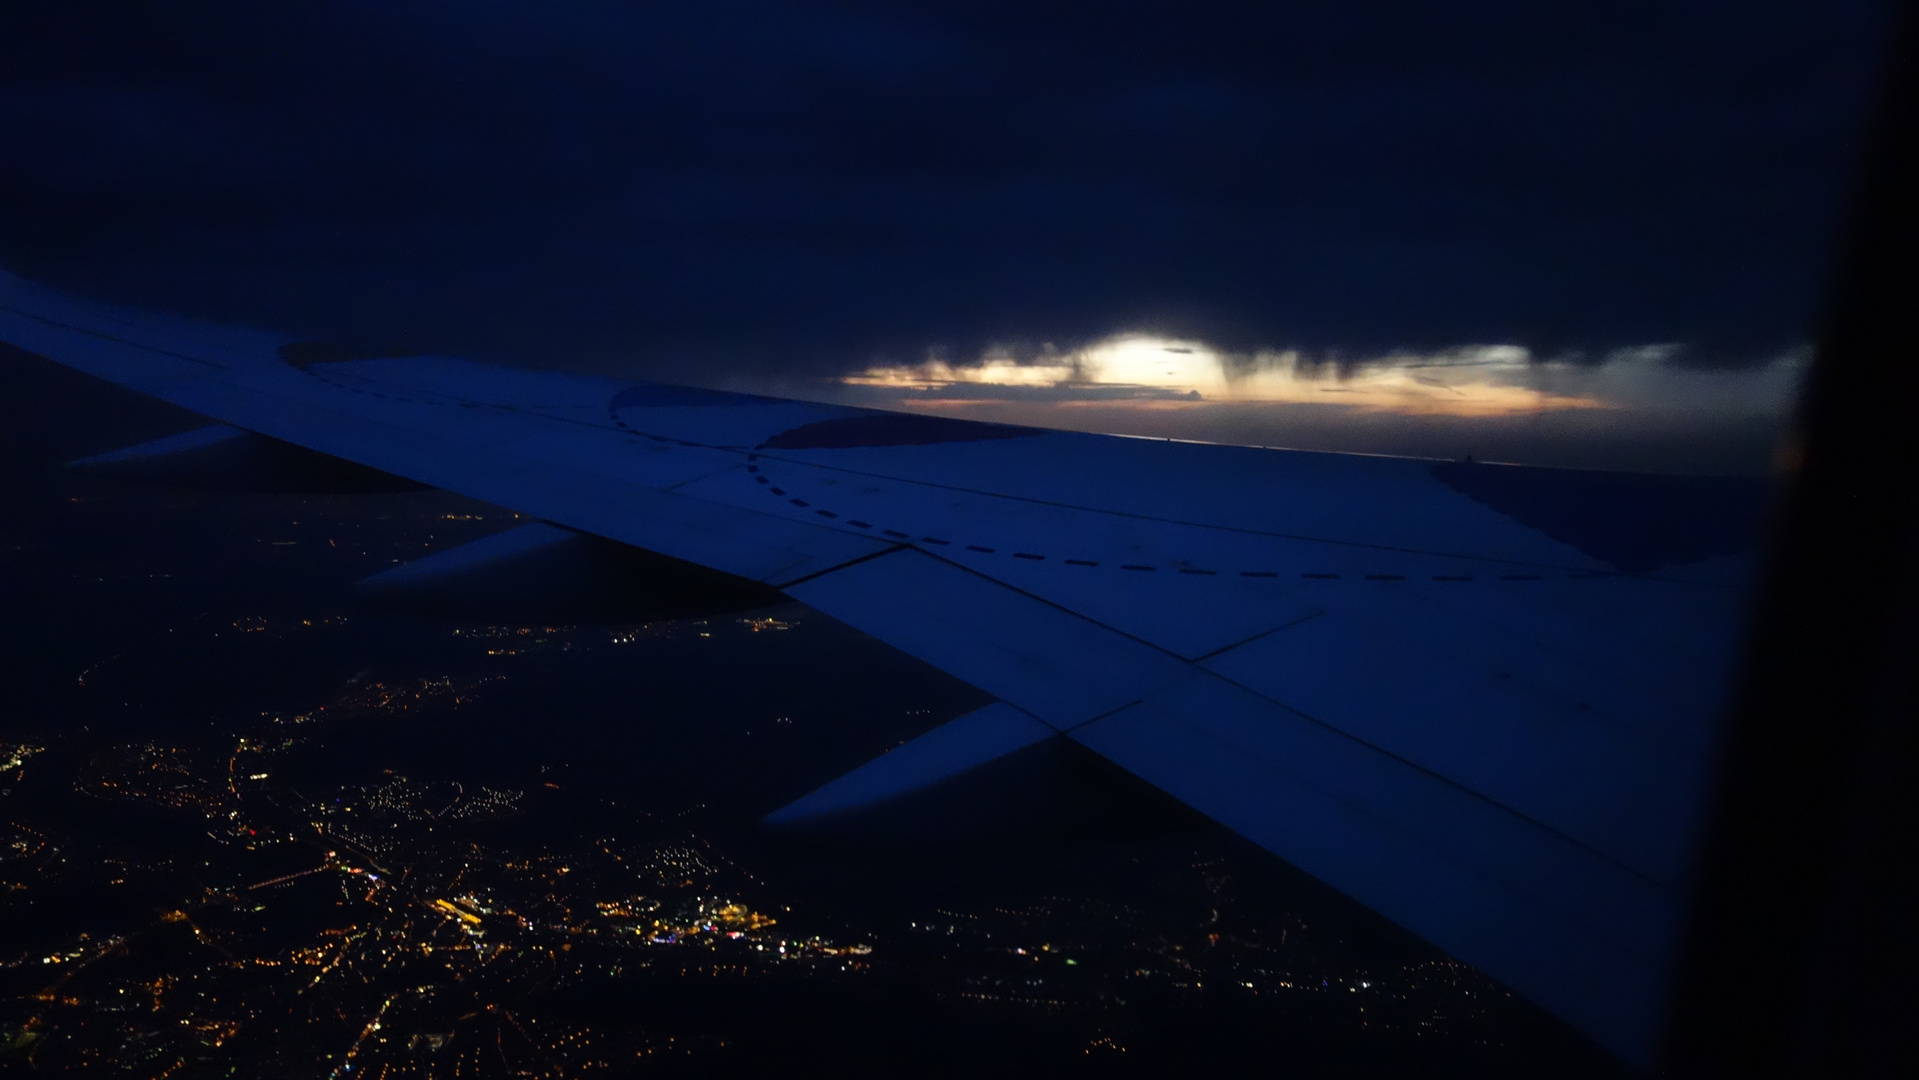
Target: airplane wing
<point x="1480" y="699"/>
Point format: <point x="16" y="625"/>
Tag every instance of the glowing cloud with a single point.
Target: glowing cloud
<point x="1478" y="380"/>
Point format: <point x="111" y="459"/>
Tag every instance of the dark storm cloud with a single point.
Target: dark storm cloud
<point x="818" y="185"/>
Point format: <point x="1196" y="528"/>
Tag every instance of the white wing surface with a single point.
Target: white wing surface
<point x="1480" y="699"/>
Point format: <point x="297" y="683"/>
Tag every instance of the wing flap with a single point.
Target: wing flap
<point x="1058" y="666"/>
<point x="1573" y="931"/>
<point x="1498" y="717"/>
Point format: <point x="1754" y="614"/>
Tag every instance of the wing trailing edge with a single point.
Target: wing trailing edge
<point x="541" y="572"/>
<point x="956" y="782"/>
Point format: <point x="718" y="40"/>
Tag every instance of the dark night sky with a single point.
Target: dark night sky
<point x="806" y="187"/>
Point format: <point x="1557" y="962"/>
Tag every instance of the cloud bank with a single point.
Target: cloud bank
<point x="800" y="187"/>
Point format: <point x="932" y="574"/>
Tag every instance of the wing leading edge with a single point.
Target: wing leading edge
<point x="1479" y="699"/>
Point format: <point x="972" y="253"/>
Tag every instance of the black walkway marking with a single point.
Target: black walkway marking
<point x="759" y="477"/>
<point x="1034" y="556"/>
